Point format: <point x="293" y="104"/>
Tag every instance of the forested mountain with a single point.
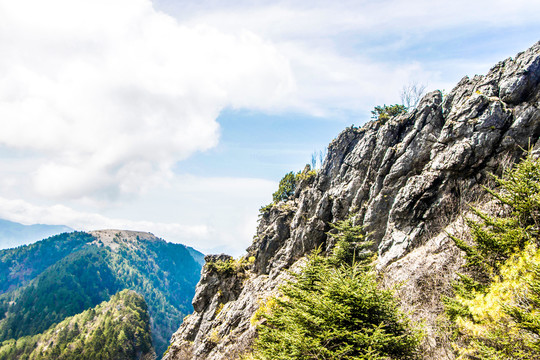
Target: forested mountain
<point x="117" y="329"/>
<point x="46" y="282"/>
<point x="13" y="234"/>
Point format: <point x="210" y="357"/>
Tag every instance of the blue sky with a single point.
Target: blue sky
<point x="180" y="117"/>
<point x="254" y="144"/>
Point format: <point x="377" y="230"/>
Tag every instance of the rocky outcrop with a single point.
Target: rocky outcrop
<point x="407" y="180"/>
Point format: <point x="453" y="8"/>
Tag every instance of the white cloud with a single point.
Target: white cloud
<point x="115" y="92"/>
<point x="320" y="20"/>
<point x="329" y="83"/>
<point x="347" y="56"/>
<point x="101" y="99"/>
<point x="206" y="213"/>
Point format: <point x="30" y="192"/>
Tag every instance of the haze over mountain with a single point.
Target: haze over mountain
<point x="14" y="234"/>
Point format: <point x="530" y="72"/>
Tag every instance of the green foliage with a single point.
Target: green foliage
<point x="75" y="283"/>
<point x="24" y="263"/>
<point x="231" y="267"/>
<point x="385" y="112"/>
<point x="266" y="208"/>
<point x="335" y="309"/>
<point x="165" y="275"/>
<point x="350" y="245"/>
<point x="496" y="307"/>
<point x="117" y="329"/>
<point x="287" y="186"/>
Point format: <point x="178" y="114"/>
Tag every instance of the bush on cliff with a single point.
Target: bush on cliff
<point x="287" y="187"/>
<point x="385" y="112"/>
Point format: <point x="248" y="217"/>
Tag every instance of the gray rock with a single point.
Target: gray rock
<point x="406" y="180"/>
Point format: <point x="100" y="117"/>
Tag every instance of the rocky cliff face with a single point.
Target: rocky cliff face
<point x="409" y="181"/>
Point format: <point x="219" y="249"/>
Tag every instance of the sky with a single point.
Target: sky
<point x="180" y="117"/>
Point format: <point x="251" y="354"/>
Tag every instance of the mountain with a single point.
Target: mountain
<point x="13" y="234"/>
<point x="407" y="180"/>
<point x="45" y="282"/>
<point x="116" y="329"/>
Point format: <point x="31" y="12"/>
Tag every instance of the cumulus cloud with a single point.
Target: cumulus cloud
<point x="319" y="20"/>
<point x="210" y="214"/>
<point x="115" y="92"/>
<point x="102" y="99"/>
<point x="348" y="56"/>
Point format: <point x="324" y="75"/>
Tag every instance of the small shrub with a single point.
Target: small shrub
<point x="287" y="187"/>
<point x="214" y="337"/>
<point x="265" y="209"/>
<point x="229" y="267"/>
<point x="385" y="112"/>
<point x="222" y="267"/>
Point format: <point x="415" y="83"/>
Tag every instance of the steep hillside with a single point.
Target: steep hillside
<point x="116" y="329"/>
<point x="408" y="180"/>
<point x="22" y="264"/>
<point x="13" y="234"/>
<point x="46" y="282"/>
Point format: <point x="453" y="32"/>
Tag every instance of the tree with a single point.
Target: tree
<point x="496" y="307"/>
<point x="287" y="186"/>
<point x="335" y="309"/>
<point x="411" y="94"/>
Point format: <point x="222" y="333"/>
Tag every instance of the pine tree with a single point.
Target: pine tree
<point x="496" y="307"/>
<point x="335" y="309"/>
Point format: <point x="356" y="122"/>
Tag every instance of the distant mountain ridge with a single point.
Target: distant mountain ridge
<point x="13" y="234"/>
<point x="43" y="283"/>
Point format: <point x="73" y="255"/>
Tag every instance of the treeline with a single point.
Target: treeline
<point x="76" y="283"/>
<point x="117" y="329"/>
<point x="22" y="264"/>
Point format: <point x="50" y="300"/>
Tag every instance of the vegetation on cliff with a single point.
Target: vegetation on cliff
<point x="287" y="186"/>
<point x="385" y="112"/>
<point x="335" y="309"/>
<point x="496" y="308"/>
<point x="117" y="329"/>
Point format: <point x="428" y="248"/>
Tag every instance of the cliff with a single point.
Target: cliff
<point x="409" y="181"/>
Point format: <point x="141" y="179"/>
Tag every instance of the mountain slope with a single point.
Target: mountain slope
<point x="407" y="180"/>
<point x="64" y="275"/>
<point x="22" y="264"/>
<point x="13" y="234"/>
<point x="116" y="329"/>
